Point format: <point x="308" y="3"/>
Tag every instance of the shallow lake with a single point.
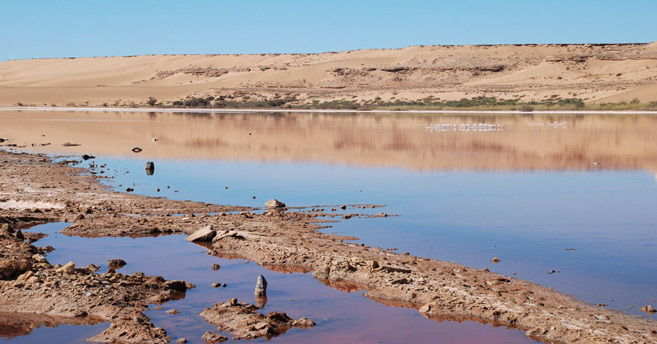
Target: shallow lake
<point x="564" y="201"/>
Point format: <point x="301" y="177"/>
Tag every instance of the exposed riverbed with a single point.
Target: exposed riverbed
<point x="581" y="222"/>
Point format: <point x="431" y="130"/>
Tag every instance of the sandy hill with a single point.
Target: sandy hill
<point x="595" y="73"/>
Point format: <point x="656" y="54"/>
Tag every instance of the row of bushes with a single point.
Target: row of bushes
<point x="427" y="103"/>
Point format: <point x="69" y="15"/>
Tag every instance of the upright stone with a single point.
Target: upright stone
<point x="261" y="286"/>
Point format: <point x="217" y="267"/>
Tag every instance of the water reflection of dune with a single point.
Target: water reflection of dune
<point x="617" y="142"/>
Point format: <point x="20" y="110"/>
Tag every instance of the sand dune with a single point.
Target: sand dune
<point x="596" y="73"/>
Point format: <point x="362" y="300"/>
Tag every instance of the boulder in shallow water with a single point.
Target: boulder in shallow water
<point x="274" y="203"/>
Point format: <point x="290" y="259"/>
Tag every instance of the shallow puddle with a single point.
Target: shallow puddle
<point x="341" y="316"/>
<point x="595" y="229"/>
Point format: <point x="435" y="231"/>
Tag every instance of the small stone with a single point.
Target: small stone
<point x="485" y="270"/>
<point x="274" y="203"/>
<point x="204" y="234"/>
<point x="69" y="268"/>
<point x="216" y="267"/>
<point x="343" y="207"/>
<point x="181" y="340"/>
<point x="210" y="337"/>
<point x="172" y="311"/>
<point x="87" y="157"/>
<point x="129" y="190"/>
<point x="216" y="285"/>
<point x="495" y="260"/>
<point x="137" y="150"/>
<point x="425" y="309"/>
<point x="648" y="309"/>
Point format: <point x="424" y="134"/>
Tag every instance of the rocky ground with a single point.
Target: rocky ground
<point x="35" y="190"/>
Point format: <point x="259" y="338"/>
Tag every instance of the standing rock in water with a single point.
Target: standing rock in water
<point x="261" y="286"/>
<point x="150" y="168"/>
<point x="274" y="203"/>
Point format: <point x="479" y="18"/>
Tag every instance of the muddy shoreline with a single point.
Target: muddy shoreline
<point x="279" y="240"/>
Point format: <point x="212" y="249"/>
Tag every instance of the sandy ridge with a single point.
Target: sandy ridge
<point x="593" y="72"/>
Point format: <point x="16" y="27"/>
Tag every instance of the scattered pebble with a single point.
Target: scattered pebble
<point x="216" y="267"/>
<point x="172" y="311"/>
<point x="495" y="260"/>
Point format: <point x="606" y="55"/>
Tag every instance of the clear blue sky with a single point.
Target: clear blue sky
<point x="62" y="28"/>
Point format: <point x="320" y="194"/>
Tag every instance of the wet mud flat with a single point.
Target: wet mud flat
<point x="276" y="239"/>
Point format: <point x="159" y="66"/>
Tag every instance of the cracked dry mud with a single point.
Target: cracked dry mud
<point x="279" y="240"/>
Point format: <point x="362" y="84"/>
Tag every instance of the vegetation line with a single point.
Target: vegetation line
<point x="266" y="110"/>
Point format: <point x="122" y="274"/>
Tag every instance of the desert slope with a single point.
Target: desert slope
<point x="595" y="73"/>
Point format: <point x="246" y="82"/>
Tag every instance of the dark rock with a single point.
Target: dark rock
<point x="116" y="263"/>
<point x="10" y="268"/>
<point x="176" y="285"/>
<point x="87" y="157"/>
<point x="150" y="168"/>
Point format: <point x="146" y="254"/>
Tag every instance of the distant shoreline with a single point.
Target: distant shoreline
<point x="210" y="110"/>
